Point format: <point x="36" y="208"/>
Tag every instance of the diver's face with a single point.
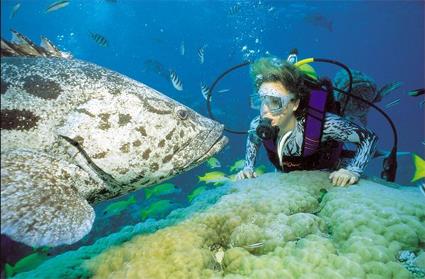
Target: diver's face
<point x="283" y="110"/>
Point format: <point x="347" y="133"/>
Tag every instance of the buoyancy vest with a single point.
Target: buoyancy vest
<point x="315" y="153"/>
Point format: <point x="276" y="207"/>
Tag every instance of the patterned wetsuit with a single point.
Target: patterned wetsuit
<point x="335" y="128"/>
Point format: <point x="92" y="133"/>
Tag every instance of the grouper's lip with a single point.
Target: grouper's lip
<point x="214" y="148"/>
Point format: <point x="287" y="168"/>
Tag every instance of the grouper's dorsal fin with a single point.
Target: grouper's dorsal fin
<point x="22" y="46"/>
<point x="25" y="45"/>
<point x="47" y="45"/>
<point x="7" y="49"/>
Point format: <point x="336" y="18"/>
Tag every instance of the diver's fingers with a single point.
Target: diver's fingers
<point x="331" y="177"/>
<point x="353" y="180"/>
<point x="334" y="179"/>
<point x="340" y="180"/>
<point x="254" y="174"/>
<point x="345" y="180"/>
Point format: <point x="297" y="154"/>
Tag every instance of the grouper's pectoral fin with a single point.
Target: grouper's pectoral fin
<point x="41" y="200"/>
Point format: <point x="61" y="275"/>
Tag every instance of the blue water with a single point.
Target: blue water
<point x="384" y="39"/>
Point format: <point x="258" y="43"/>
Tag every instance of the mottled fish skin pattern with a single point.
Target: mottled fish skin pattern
<point x="131" y="132"/>
<point x="56" y="186"/>
<point x="119" y="133"/>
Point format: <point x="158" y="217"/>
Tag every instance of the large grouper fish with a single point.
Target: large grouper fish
<point x="74" y="134"/>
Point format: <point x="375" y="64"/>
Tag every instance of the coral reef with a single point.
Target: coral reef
<point x="269" y="227"/>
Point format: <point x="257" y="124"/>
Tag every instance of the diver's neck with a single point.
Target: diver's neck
<point x="287" y="127"/>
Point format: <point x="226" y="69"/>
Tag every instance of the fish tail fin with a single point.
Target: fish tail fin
<point x="132" y="199"/>
<point x="42" y="250"/>
<point x="387" y="88"/>
<point x="9" y="270"/>
<point x="419" y="168"/>
<point x="143" y="215"/>
<point x="40" y="207"/>
<point x="148" y="193"/>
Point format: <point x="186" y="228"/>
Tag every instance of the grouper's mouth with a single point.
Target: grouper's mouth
<point x="214" y="148"/>
<point x="202" y="146"/>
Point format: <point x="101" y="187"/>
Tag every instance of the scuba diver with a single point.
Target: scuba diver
<point x="298" y="128"/>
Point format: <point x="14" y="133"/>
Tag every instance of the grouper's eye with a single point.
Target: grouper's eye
<point x="182" y="113"/>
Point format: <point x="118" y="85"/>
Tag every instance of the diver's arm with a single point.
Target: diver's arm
<point x="342" y="130"/>
<point x="252" y="145"/>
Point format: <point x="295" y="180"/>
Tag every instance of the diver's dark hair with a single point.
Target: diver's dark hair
<point x="272" y="69"/>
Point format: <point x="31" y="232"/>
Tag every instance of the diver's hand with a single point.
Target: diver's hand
<point x="246" y="173"/>
<point x="343" y="177"/>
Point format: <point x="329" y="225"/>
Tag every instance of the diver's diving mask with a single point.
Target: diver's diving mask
<point x="270" y="100"/>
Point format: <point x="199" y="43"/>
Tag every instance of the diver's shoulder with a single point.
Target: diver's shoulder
<point x="329" y="116"/>
<point x="254" y="122"/>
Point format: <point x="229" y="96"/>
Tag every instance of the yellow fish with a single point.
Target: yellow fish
<point x="196" y="192"/>
<point x="232" y="177"/>
<point x="119" y="206"/>
<point x="161" y="189"/>
<point x="238" y="165"/>
<point x="213" y="163"/>
<point x="157" y="210"/>
<point x="260" y="170"/>
<point x="216" y="177"/>
<point x="419" y="168"/>
<point x="27" y="263"/>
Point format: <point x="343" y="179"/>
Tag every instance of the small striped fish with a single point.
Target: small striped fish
<point x="175" y="80"/>
<point x="201" y="55"/>
<point x="205" y="90"/>
<point x="393" y="103"/>
<point x="99" y="39"/>
<point x="234" y="9"/>
<point x="57" y="5"/>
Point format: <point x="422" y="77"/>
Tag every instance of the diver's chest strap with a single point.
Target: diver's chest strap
<point x="314" y="121"/>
